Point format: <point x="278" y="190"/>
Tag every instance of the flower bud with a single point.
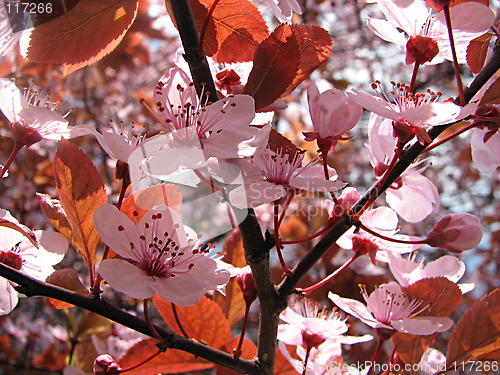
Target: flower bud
<point x="106" y="365"/>
<point x="247" y="285"/>
<point x="456" y="233"/>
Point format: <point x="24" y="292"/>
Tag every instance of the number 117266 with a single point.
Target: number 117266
<point x="17" y="7"/>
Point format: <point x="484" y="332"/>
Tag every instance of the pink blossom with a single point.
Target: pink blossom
<point x="485" y="155"/>
<point x="283" y="9"/>
<point x="311" y="327"/>
<point x="18" y="252"/>
<point x="417" y="110"/>
<point x="163" y="259"/>
<point x="223" y="127"/>
<point x="389" y="307"/>
<point x="118" y="143"/>
<point x="33" y="115"/>
<point x="412" y="194"/>
<point x="456" y="233"/>
<point x="332" y="115"/>
<point x="409" y="271"/>
<point x="428" y="35"/>
<point x="269" y="176"/>
<point x="384" y="221"/>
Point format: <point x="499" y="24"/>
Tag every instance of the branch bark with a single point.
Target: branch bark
<point x="256" y="250"/>
<point x="32" y="287"/>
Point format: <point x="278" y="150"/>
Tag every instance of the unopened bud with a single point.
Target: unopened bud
<point x="456" y="233"/>
<point x="106" y="365"/>
<point x="247" y="285"/>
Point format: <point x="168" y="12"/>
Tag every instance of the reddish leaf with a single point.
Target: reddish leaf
<point x="53" y="210"/>
<point x="440" y="294"/>
<point x="476" y="52"/>
<point x="315" y="45"/>
<point x="240" y="28"/>
<point x="233" y="304"/>
<point x="145" y="199"/>
<point x="86" y="33"/>
<point x="477" y="334"/>
<point x="81" y="191"/>
<point x="203" y="321"/>
<point x="275" y="66"/>
<point x="171" y="362"/>
<point x="52" y="357"/>
<point x="67" y="279"/>
<point x="248" y="351"/>
<point x="492" y="95"/>
<point x="411" y="347"/>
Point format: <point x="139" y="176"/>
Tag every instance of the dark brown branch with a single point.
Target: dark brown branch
<point x="405" y="160"/>
<point x="256" y="251"/>
<point x="32" y="287"/>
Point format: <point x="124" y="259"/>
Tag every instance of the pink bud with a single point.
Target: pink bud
<point x="456" y="233"/>
<point x="247" y="285"/>
<point x="106" y="365"/>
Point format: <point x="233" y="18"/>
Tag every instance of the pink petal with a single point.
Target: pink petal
<point x="107" y="221"/>
<point x="127" y="278"/>
<point x="289" y="334"/>
<point x="8" y="297"/>
<point x="356" y="309"/>
<point x="422" y="326"/>
<point x="486" y="156"/>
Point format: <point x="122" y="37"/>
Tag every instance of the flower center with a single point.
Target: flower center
<point x="388" y="306"/>
<point x="11" y="258"/>
<point x="159" y="255"/>
<point x="279" y="167"/>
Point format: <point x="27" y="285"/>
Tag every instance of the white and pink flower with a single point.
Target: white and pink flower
<point x="384" y="221"/>
<point x="159" y="257"/>
<point x="32" y="115"/>
<point x="270" y="175"/>
<point x="388" y="307"/>
<point x="417" y="110"/>
<point x="18" y="252"/>
<point x="283" y="9"/>
<point x="426" y="38"/>
<point x="223" y="128"/>
<point x="412" y="195"/>
<point x="409" y="271"/>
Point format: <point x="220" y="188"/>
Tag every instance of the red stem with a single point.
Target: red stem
<point x="15" y="151"/>
<point x="237" y="351"/>
<point x="149" y="323"/>
<point x="327" y="175"/>
<point x="287" y="203"/>
<point x="454" y="53"/>
<point x="306" y="360"/>
<point x="449" y="137"/>
<point x="142" y="362"/>
<point x="359" y="224"/>
<point x="380" y="183"/>
<point x="328" y="278"/>
<point x="375" y="355"/>
<point x="308" y="238"/>
<point x="205" y="24"/>
<point x="178" y="321"/>
<point x="414" y="76"/>
<point x="277" y="238"/>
